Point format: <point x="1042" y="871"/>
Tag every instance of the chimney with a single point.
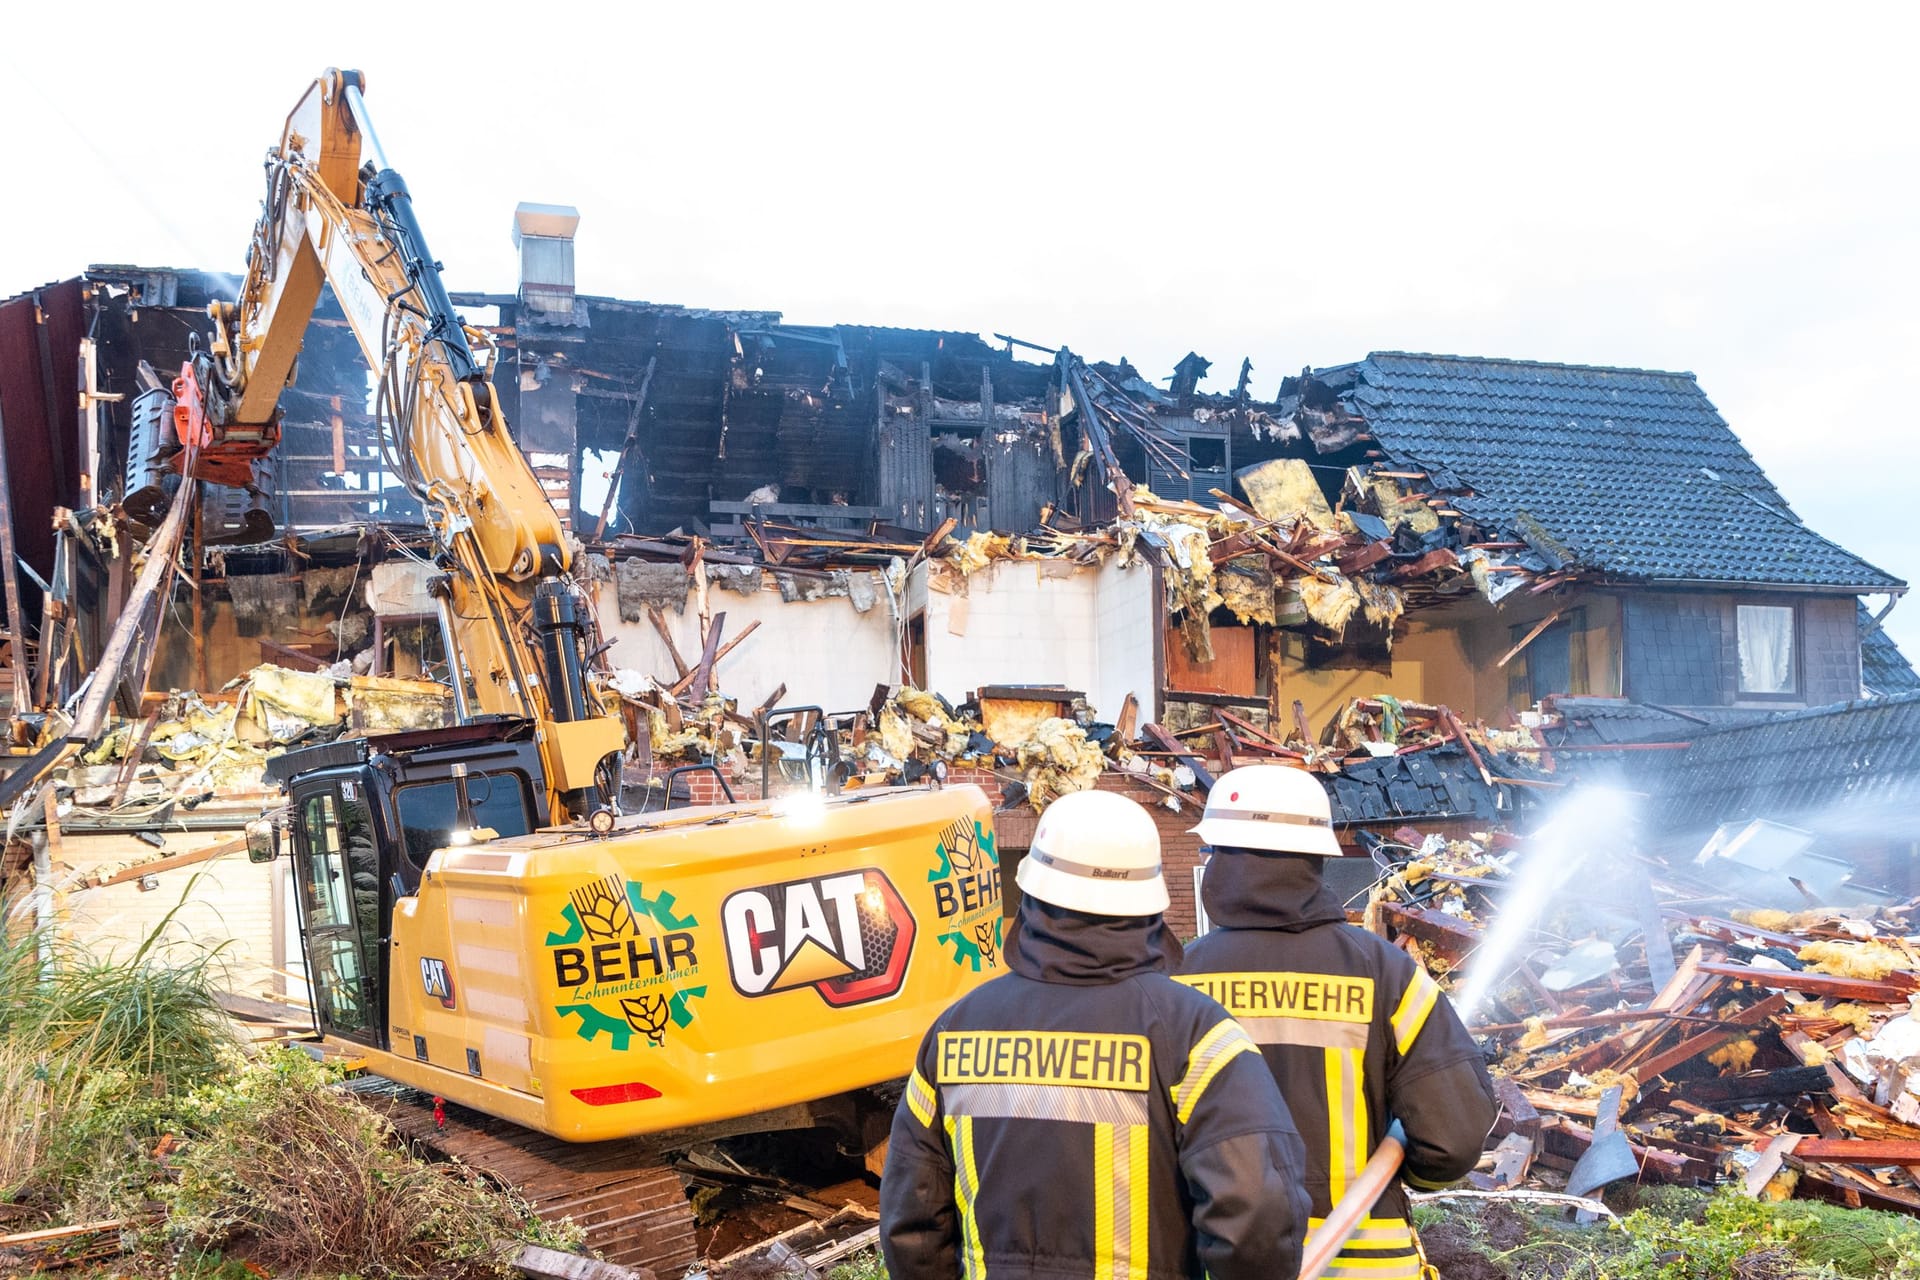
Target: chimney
<point x="543" y="233"/>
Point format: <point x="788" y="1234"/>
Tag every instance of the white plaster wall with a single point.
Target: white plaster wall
<point x="826" y="652"/>
<point x="1125" y="617"/>
<point x="226" y="901"/>
<point x="1035" y="622"/>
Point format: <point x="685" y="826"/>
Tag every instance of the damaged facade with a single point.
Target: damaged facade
<point x="860" y="552"/>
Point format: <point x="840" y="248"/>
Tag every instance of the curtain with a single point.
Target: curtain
<point x="1766" y="648"/>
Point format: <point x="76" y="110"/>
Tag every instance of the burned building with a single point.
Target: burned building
<point x="1450" y="584"/>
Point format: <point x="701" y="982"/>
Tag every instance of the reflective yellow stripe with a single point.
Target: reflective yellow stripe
<point x="1373" y="1233"/>
<point x="1137" y="1175"/>
<point x="1225" y="1042"/>
<point x="966" y="1189"/>
<point x="1103" y="1201"/>
<point x="1422" y="994"/>
<point x="1346" y="1268"/>
<point x="1120" y="1201"/>
<point x="1346" y="1118"/>
<point x="920" y="1098"/>
<point x="1423" y="1184"/>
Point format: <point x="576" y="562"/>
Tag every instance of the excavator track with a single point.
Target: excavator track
<point x="631" y="1203"/>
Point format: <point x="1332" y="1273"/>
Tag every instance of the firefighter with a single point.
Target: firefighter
<point x="1356" y="1033"/>
<point x="1084" y="1114"/>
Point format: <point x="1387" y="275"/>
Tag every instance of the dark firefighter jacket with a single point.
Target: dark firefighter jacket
<point x="1087" y="1116"/>
<point x="1357" y="1036"/>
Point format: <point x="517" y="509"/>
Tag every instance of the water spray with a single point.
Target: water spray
<point x="1589" y="823"/>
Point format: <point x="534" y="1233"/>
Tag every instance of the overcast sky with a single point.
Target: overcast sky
<point x="1721" y="189"/>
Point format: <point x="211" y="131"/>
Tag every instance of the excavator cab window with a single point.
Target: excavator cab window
<point x="338" y="870"/>
<point x="429" y="811"/>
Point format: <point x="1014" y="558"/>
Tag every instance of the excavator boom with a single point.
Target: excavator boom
<point x="478" y="921"/>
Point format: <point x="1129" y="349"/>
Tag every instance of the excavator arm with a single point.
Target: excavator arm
<point x="337" y="213"/>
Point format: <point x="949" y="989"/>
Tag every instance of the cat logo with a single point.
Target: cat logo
<point x="437" y="981"/>
<point x="848" y="936"/>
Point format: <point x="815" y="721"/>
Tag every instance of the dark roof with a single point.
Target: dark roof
<point x="1883" y="668"/>
<point x="1631" y="472"/>
<point x="1610" y="721"/>
<point x="1854" y="762"/>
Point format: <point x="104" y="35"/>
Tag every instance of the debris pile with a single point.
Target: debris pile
<point x="1776" y="1050"/>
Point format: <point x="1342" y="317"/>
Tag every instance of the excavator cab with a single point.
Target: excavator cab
<point x="363" y="818"/>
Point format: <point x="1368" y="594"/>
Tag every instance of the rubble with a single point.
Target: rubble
<point x="1779" y="1051"/>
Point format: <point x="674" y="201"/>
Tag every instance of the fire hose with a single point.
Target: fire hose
<point x="1324" y="1244"/>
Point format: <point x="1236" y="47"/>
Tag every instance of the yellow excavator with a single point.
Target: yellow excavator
<point x="479" y="921"/>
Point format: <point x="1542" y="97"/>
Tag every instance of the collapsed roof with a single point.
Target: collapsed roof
<point x="1628" y="472"/>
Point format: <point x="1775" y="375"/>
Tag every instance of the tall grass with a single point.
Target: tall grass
<point x="153" y="1014"/>
<point x="98" y="1056"/>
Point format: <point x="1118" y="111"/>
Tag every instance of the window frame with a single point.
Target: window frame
<point x="1796" y="676"/>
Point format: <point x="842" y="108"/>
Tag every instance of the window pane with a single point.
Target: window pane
<point x="427" y="810"/>
<point x="1766" y="648"/>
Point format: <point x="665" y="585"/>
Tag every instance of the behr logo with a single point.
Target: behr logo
<point x="848" y="936"/>
<point x="437" y="981"/>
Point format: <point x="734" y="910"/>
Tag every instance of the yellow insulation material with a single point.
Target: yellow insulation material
<point x="1396" y="506"/>
<point x="979" y="550"/>
<point x="1736" y="1057"/>
<point x="1383" y="604"/>
<point x="1871" y="961"/>
<point x="1286" y="491"/>
<point x="1246" y="587"/>
<point x="1058" y="760"/>
<point x="1331" y="604"/>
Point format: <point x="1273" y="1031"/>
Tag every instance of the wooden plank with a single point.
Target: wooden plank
<point x="1860" y="1151"/>
<point x="129" y="651"/>
<point x="1894" y="990"/>
<point x="687" y="680"/>
<point x="1736" y="1026"/>
<point x="1538" y="628"/>
<point x="16" y="617"/>
<point x="1459" y="733"/>
<point x="1769" y="1163"/>
<point x="1223" y="743"/>
<point x="1300" y="722"/>
<point x="1363" y="558"/>
<point x="289" y="657"/>
<point x="65" y="1233"/>
<point x="1168" y="743"/>
<point x="171" y="862"/>
<point x="710" y="654"/>
<point x="680" y="667"/>
<point x="626" y="449"/>
<point x="1124" y="724"/>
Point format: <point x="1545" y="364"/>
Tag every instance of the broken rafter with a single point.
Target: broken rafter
<point x="659" y="622"/>
<point x="1538" y="629"/>
<point x="686" y="680"/>
<point x="703" y="674"/>
<point x="626" y="448"/>
<point x="1096" y="432"/>
<point x="129" y="650"/>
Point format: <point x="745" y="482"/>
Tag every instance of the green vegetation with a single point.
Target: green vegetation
<point x="861" y="1266"/>
<point x="1664" y="1234"/>
<point x="1671" y="1234"/>
<point x="124" y="1095"/>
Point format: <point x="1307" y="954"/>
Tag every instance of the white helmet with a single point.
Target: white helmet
<point x="1269" y="806"/>
<point x="1096" y="852"/>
